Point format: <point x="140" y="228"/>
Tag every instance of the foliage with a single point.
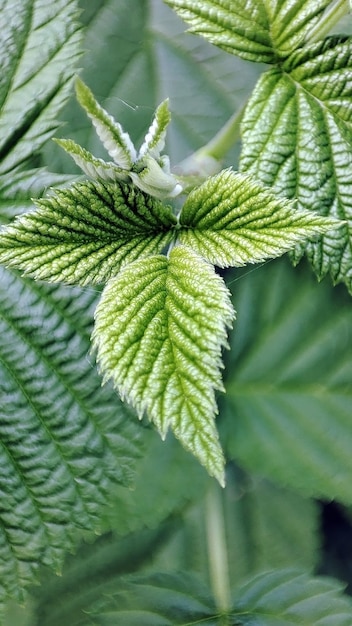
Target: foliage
<point x="139" y="241"/>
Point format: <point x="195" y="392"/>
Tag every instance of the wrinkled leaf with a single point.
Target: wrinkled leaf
<point x="39" y="49"/>
<point x="233" y="220"/>
<point x="297" y="138"/>
<point x="85" y="233"/>
<point x="160" y="326"/>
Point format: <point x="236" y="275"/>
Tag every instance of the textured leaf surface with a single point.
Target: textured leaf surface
<point x="233" y="220"/>
<point x="289" y="393"/>
<point x="286" y="598"/>
<point x="257" y="31"/>
<point x="85" y="233"/>
<point x="64" y="440"/>
<point x="39" y="47"/>
<point x="297" y="137"/>
<point x="280" y="598"/>
<point x="160" y="326"/>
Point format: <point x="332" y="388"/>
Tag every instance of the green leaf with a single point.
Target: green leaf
<point x="85" y="233"/>
<point x="255" y="30"/>
<point x="297" y="137"/>
<point x="116" y="141"/>
<point x="160" y="326"/>
<point x="233" y="220"/>
<point x="39" y="48"/>
<point x="155" y="138"/>
<point x="65" y="441"/>
<point x="96" y="168"/>
<point x="287" y="411"/>
<point x="281" y="597"/>
<point x="288" y="598"/>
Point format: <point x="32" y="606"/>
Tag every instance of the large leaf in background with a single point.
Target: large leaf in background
<point x="39" y="47"/>
<point x="259" y="31"/>
<point x="145" y="60"/>
<point x="64" y="440"/>
<point x="297" y="138"/>
<point x="289" y="392"/>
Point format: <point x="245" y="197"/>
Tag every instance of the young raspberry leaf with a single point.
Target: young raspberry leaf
<point x="92" y="166"/>
<point x="159" y="330"/>
<point x="116" y="141"/>
<point x="233" y="220"/>
<point x="257" y="30"/>
<point x="154" y="141"/>
<point x="297" y="138"/>
<point x="84" y="234"/>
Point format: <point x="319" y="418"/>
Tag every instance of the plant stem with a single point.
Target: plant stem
<point x="332" y="15"/>
<point x="207" y="160"/>
<point x="217" y="549"/>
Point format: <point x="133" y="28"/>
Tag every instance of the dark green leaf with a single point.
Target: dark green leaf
<point x="288" y="400"/>
<point x="39" y="48"/>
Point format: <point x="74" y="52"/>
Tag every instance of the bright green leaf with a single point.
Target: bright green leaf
<point x="85" y="233"/>
<point x="65" y="441"/>
<point x="287" y="410"/>
<point x="297" y="137"/>
<point x="160" y="326"/>
<point x="233" y="220"/>
<point x="288" y="598"/>
<point x="95" y="168"/>
<point x="116" y="141"/>
<point x="39" y="48"/>
<point x="255" y="30"/>
<point x="155" y="138"/>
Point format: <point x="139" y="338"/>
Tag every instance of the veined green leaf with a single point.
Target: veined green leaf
<point x="281" y="597"/>
<point x="257" y="30"/>
<point x="160" y="326"/>
<point x="287" y="410"/>
<point x="85" y="233"/>
<point x="297" y="137"/>
<point x="233" y="220"/>
<point x="64" y="441"/>
<point x="155" y="138"/>
<point x="288" y="598"/>
<point x="95" y="168"/>
<point x="39" y="47"/>
<point x="116" y="141"/>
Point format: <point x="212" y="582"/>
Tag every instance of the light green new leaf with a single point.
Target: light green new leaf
<point x="287" y="410"/>
<point x="39" y="48"/>
<point x="155" y="138"/>
<point x="116" y="141"/>
<point x="233" y="220"/>
<point x="160" y="326"/>
<point x="85" y="233"/>
<point x="288" y="598"/>
<point x="297" y="137"/>
<point x="261" y="30"/>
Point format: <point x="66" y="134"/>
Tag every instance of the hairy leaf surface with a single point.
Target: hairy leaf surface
<point x="297" y="137"/>
<point x="39" y="48"/>
<point x="287" y="411"/>
<point x="160" y="326"/>
<point x="261" y="30"/>
<point x="232" y="220"/>
<point x="64" y="440"/>
<point x="85" y="233"/>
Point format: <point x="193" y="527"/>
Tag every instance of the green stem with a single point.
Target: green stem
<point x="217" y="549"/>
<point x="329" y="19"/>
<point x="207" y="160"/>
